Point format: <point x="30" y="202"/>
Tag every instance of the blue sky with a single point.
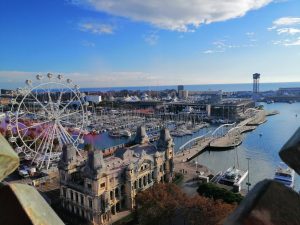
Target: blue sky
<point x="103" y="43"/>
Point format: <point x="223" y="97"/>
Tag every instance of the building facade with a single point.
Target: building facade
<point x="231" y="109"/>
<point x="183" y="94"/>
<point x="98" y="188"/>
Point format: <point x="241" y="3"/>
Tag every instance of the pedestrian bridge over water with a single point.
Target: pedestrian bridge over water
<point x="224" y="136"/>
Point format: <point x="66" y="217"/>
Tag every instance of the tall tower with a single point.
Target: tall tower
<point x="256" y="77"/>
<point x="180" y="88"/>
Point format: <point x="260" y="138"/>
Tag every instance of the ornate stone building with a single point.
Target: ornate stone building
<point x="98" y="188"/>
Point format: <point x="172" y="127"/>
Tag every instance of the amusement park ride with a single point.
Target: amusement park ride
<point x="45" y="115"/>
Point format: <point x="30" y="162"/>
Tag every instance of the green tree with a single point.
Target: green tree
<point x="212" y="191"/>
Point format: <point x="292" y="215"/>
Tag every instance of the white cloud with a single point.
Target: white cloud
<point x="250" y="34"/>
<point x="178" y="15"/>
<point x="212" y="51"/>
<point x="293" y="43"/>
<point x="291" y="31"/>
<point x="96" y="27"/>
<point x="88" y="43"/>
<point x="223" y="45"/>
<point x="287" y="26"/>
<point x="288" y="42"/>
<point x="287" y="21"/>
<point x="151" y="38"/>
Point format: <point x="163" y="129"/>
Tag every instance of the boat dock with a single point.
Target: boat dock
<point x="231" y="139"/>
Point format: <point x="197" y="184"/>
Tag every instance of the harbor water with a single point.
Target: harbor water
<point x="261" y="145"/>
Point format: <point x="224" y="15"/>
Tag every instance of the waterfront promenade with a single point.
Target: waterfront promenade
<point x="189" y="154"/>
<point x="231" y="139"/>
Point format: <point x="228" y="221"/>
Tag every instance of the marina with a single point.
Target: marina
<point x="258" y="144"/>
<point x="261" y="149"/>
<point x="109" y="129"/>
<point x="150" y="112"/>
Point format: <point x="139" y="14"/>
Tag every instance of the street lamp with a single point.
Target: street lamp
<point x="248" y="183"/>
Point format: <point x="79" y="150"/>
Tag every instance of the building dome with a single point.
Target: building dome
<point x="68" y="154"/>
<point x="141" y="135"/>
<point x="95" y="160"/>
<point x="165" y="140"/>
<point x="95" y="164"/>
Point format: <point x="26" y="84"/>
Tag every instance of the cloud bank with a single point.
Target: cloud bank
<point x="176" y="15"/>
<point x="287" y="26"/>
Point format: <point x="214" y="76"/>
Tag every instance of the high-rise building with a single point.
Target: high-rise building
<point x="183" y="94"/>
<point x="256" y="77"/>
<point x="180" y="88"/>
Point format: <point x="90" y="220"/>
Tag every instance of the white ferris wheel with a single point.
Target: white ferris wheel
<point x="47" y="114"/>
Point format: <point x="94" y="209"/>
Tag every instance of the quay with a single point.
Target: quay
<point x="231" y="139"/>
<point x="189" y="154"/>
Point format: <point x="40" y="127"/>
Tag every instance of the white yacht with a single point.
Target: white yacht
<point x="232" y="176"/>
<point x="125" y="133"/>
<point x="285" y="176"/>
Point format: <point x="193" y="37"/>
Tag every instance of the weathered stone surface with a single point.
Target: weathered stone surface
<point x="268" y="203"/>
<point x="141" y="136"/>
<point x="290" y="152"/>
<point x="9" y="160"/>
<point x="22" y="204"/>
<point x="165" y="140"/>
<point x="19" y="203"/>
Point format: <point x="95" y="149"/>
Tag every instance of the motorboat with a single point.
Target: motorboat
<point x="285" y="176"/>
<point x="125" y="133"/>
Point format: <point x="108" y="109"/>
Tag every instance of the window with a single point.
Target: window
<point x="122" y="189"/>
<point x="102" y="185"/>
<point x="89" y="186"/>
<point x="90" y="203"/>
<point x="117" y="192"/>
<point x="82" y="200"/>
<point x="135" y="184"/>
<point x="76" y="197"/>
<point x="72" y="197"/>
<point x="64" y="192"/>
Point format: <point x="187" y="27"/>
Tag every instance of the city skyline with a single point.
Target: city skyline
<point x="150" y="44"/>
